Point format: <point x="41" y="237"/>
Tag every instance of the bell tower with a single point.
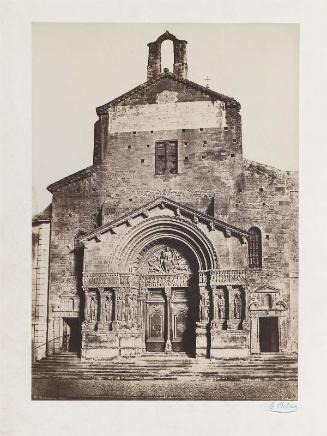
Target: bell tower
<point x="154" y="59"/>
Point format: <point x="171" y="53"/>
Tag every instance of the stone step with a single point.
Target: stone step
<point x="69" y="366"/>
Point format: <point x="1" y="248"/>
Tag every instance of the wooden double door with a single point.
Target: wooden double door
<point x="171" y="320"/>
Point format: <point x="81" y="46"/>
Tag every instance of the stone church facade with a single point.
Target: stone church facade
<point x="171" y="241"/>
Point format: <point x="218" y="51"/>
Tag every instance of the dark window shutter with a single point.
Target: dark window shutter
<point x="166" y="157"/>
<point x="255" y="248"/>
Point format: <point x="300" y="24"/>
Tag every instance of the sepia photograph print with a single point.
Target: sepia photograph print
<point x="165" y="211"/>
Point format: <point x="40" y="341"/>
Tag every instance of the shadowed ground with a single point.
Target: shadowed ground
<point x="47" y="389"/>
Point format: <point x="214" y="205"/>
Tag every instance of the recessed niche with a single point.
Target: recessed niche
<point x="260" y="189"/>
<point x="185" y="143"/>
<point x="201" y="129"/>
<point x="148" y="145"/>
<point x="142" y="161"/>
<point x="225" y="128"/>
<point x="134" y="133"/>
<point x="203" y="156"/>
<point x="267" y="236"/>
<point x="234" y="140"/>
<point x="186" y="159"/>
<point x="129" y="147"/>
<point x="183" y="130"/>
<point x="232" y="155"/>
<point x="151" y="131"/>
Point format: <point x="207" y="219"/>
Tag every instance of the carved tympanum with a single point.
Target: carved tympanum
<point x="163" y="259"/>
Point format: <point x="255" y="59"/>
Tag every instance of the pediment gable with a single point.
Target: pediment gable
<point x="178" y="210"/>
<point x="187" y="90"/>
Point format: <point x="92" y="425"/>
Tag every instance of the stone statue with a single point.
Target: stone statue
<point x="120" y="313"/>
<point x="204" y="308"/>
<point x="221" y="306"/>
<point x="167" y="259"/>
<point x="108" y="308"/>
<point x="93" y="310"/>
<point x="237" y="306"/>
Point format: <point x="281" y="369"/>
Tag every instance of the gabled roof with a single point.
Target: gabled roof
<point x="214" y="223"/>
<point x="230" y="102"/>
<point x="71" y="178"/>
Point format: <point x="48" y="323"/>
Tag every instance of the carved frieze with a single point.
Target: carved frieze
<point x="101" y="279"/>
<point x="230" y="277"/>
<point x="178" y="273"/>
<point x="163" y="280"/>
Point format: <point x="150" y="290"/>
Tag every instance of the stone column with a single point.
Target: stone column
<point x="168" y="347"/>
<point x="142" y="314"/>
<point x="101" y="323"/>
<point x="254" y="334"/>
<point x="86" y="304"/>
<point x="202" y="326"/>
<point x="116" y="320"/>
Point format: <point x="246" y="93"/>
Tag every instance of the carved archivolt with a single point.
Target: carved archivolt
<point x="153" y="230"/>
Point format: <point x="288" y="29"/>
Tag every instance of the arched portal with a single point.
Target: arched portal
<point x="166" y="254"/>
<point x="169" y="270"/>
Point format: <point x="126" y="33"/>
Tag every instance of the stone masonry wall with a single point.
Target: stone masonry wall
<point x="40" y="276"/>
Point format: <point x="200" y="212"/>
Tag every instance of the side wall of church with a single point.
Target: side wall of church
<point x="40" y="276"/>
<point x="270" y="203"/>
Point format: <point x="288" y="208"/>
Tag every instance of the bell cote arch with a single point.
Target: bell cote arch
<point x="154" y="59"/>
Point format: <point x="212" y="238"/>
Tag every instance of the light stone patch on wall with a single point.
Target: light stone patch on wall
<point x="167" y="116"/>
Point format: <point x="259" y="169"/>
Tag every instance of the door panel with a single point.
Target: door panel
<point x="183" y="322"/>
<point x="268" y="334"/>
<point x="155" y="321"/>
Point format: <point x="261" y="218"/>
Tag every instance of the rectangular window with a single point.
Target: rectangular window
<point x="166" y="157"/>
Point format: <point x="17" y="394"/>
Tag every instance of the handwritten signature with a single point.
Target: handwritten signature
<point x="282" y="407"/>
